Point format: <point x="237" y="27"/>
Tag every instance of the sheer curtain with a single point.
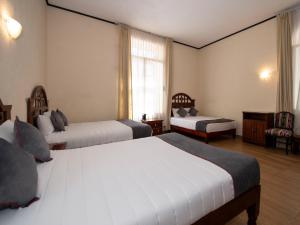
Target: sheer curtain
<point x="150" y="75"/>
<point x="296" y="67"/>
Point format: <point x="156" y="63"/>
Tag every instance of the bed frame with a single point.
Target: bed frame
<point x="5" y="112"/>
<point x="37" y="104"/>
<point x="185" y="101"/>
<point x="249" y="201"/>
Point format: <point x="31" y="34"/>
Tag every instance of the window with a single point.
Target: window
<point x="148" y="71"/>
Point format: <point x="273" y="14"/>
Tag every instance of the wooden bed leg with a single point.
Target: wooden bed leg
<point x="253" y="212"/>
<point x="206" y="139"/>
<point x="234" y="134"/>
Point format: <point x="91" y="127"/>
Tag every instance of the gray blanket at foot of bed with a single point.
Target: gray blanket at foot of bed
<point x="139" y="130"/>
<point x="243" y="169"/>
<point x="201" y="125"/>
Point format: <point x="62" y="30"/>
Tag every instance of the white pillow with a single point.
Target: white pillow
<point x="45" y="125"/>
<point x="48" y="114"/>
<point x="7" y="131"/>
<point x="175" y="114"/>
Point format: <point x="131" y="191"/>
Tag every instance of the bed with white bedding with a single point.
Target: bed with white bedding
<point x="144" y="181"/>
<point x="202" y="126"/>
<point x="77" y="135"/>
<point x="189" y="122"/>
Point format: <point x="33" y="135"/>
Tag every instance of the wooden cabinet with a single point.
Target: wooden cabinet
<point x="156" y="126"/>
<point x="254" y="126"/>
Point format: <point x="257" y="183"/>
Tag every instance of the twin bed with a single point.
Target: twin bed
<point x="201" y="126"/>
<point x="77" y="135"/>
<point x="167" y="179"/>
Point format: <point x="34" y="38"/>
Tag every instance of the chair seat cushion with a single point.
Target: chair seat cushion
<point x="279" y="132"/>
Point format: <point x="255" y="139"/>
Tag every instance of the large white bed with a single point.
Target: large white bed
<point x="145" y="181"/>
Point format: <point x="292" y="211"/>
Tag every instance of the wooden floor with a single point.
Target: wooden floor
<point x="280" y="181"/>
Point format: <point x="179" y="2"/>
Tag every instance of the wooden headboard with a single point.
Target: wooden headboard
<point x="37" y="104"/>
<point x="5" y="112"/>
<point x="182" y="100"/>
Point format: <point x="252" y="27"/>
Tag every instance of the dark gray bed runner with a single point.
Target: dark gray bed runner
<point x="243" y="169"/>
<point x="201" y="125"/>
<point x="139" y="130"/>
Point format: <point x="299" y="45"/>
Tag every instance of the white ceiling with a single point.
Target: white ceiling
<point x="194" y="22"/>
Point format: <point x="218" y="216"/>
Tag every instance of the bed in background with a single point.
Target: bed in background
<point x="78" y="135"/>
<point x="202" y="126"/>
<point x="167" y="179"/>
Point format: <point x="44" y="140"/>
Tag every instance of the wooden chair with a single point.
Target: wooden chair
<point x="284" y="124"/>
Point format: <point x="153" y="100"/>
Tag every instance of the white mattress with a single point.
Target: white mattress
<point x="137" y="182"/>
<point x="189" y="122"/>
<point x="79" y="135"/>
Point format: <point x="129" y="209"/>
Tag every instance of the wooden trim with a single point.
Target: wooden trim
<point x="206" y="136"/>
<point x="249" y="201"/>
<point x="37" y="104"/>
<point x="104" y="20"/>
<point x="246" y="28"/>
<point x="5" y="112"/>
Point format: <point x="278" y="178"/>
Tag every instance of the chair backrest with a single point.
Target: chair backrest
<point x="284" y="120"/>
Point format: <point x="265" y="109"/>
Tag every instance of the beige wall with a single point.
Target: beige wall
<point x="82" y="66"/>
<point x="229" y="73"/>
<point x="22" y="61"/>
<point x="185" y="72"/>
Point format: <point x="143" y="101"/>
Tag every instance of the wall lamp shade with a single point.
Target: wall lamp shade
<point x="14" y="28"/>
<point x="265" y="74"/>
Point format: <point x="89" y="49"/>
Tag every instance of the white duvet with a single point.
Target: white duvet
<point x="79" y="135"/>
<point x="189" y="122"/>
<point x="137" y="182"/>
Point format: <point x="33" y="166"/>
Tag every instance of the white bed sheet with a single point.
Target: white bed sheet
<point x="189" y="122"/>
<point x="143" y="181"/>
<point x="79" y="135"/>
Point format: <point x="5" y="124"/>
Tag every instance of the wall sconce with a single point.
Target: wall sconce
<point x="14" y="28"/>
<point x="265" y="74"/>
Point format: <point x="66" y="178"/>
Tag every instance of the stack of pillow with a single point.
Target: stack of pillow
<point x="21" y="147"/>
<point x="53" y="121"/>
<point x="183" y="112"/>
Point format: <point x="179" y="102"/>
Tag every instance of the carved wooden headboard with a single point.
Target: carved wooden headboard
<point x="182" y="100"/>
<point x="5" y="112"/>
<point x="37" y="104"/>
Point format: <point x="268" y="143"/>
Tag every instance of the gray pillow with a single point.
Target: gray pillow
<point x="182" y="112"/>
<point x="18" y="176"/>
<point x="63" y="116"/>
<point x="31" y="140"/>
<point x="57" y="121"/>
<point x="193" y="111"/>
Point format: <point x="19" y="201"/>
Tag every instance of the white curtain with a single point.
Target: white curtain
<point x="149" y="80"/>
<point x="296" y="67"/>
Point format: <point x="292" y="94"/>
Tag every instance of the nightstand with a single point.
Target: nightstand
<point x="156" y="126"/>
<point x="58" y="146"/>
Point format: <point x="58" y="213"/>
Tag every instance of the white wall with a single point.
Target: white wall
<point x="82" y="66"/>
<point x="229" y="73"/>
<point x="22" y="61"/>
